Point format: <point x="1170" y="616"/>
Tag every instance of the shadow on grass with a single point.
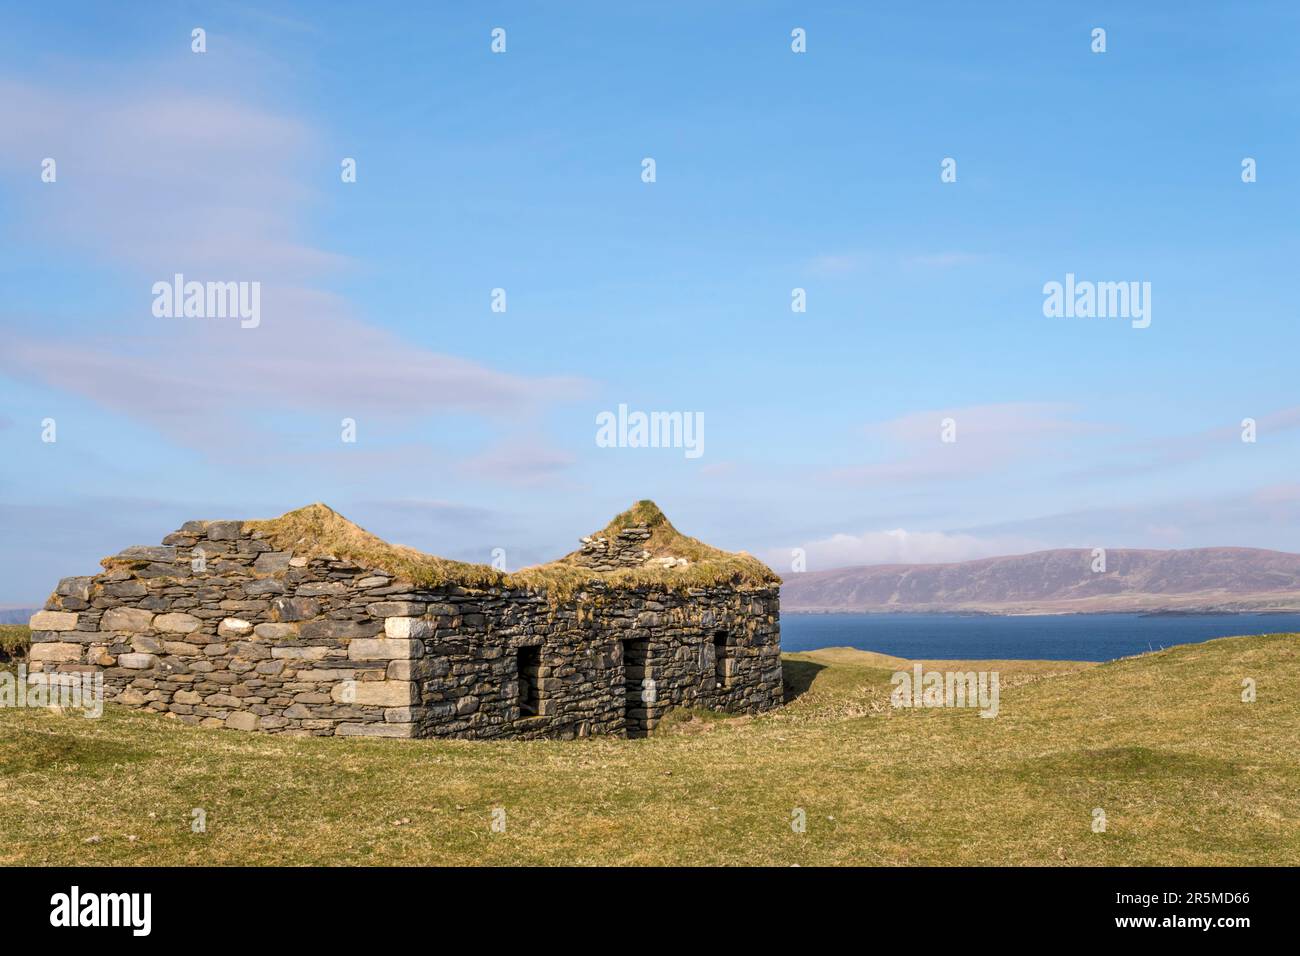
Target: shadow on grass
<point x="40" y="750"/>
<point x="797" y="677"/>
<point x="1125" y="764"/>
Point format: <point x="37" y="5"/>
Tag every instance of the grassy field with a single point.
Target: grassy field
<point x="1186" y="772"/>
<point x="14" y="641"/>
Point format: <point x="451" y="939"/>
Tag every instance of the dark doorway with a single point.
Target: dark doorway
<point x="636" y="668"/>
<point x="529" y="664"/>
<point x="721" y="656"/>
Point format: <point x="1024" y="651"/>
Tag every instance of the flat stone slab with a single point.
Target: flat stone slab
<point x="53" y="621"/>
<point x="133" y="619"/>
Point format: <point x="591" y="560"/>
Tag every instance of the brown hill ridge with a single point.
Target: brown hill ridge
<point x="1061" y="581"/>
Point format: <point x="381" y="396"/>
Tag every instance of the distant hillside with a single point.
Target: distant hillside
<point x="17" y="615"/>
<point x="1200" y="579"/>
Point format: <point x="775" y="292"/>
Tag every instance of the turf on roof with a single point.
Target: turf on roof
<point x="319" y="531"/>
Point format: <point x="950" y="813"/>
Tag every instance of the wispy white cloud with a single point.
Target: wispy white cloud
<point x="843" y="264"/>
<point x="943" y="260"/>
<point x="1173" y="451"/>
<point x="519" y="462"/>
<point x="197" y="382"/>
<point x="719" y="469"/>
<point x="165" y="181"/>
<point x="157" y="184"/>
<point x="987" y="438"/>
<point x="1263" y="517"/>
<point x="840" y="264"/>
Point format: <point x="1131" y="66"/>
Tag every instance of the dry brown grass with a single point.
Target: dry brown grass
<point x="15" y="639"/>
<point x="319" y="531"/>
<point x="707" y="565"/>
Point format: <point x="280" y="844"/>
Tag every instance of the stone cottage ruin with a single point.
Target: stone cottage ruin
<point x="306" y="624"/>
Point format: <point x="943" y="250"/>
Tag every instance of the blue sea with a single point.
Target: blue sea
<point x="1063" y="637"/>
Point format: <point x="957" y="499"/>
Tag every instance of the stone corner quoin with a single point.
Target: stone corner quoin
<point x="264" y="640"/>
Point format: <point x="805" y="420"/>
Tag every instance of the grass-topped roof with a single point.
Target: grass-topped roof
<point x="319" y="531"/>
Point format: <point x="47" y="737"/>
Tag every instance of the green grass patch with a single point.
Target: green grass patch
<point x="1185" y="771"/>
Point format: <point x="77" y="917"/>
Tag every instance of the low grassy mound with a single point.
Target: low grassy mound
<point x="1185" y="771"/>
<point x="706" y="565"/>
<point x="15" y="639"/>
<point x="318" y="531"/>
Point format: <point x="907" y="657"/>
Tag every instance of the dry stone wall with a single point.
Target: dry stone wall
<point x="623" y="550"/>
<point x="613" y="662"/>
<point x="218" y="629"/>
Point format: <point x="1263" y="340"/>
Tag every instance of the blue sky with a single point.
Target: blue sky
<point x="775" y="171"/>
